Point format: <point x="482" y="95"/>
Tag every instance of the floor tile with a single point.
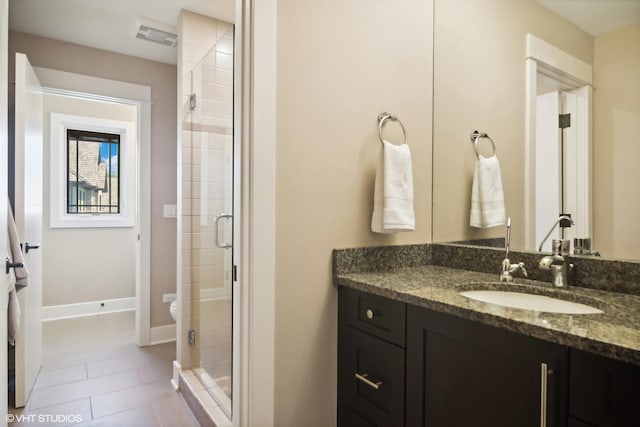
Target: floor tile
<point x="130" y="398"/>
<point x="79" y="389"/>
<point x="61" y="376"/>
<point x="138" y="417"/>
<point x="94" y="372"/>
<point x="173" y="412"/>
<point x="59" y="415"/>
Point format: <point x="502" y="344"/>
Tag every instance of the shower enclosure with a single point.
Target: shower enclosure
<point x="207" y="186"/>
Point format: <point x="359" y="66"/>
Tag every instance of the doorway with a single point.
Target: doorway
<point x="551" y="183"/>
<point x="84" y="249"/>
<point x="115" y="93"/>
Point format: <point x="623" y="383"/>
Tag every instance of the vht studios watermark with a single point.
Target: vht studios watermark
<point x="44" y="418"/>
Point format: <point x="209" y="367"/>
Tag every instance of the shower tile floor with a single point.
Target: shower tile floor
<point x="94" y="373"/>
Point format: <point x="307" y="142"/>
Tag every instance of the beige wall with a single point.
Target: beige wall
<point x="479" y="83"/>
<point x="78" y="263"/>
<point x="616" y="143"/>
<point x="161" y="78"/>
<point x="339" y="65"/>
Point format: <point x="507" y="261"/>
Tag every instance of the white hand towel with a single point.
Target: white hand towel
<point x="393" y="194"/>
<point x="487" y="197"/>
<point x="21" y="273"/>
<point x="13" y="317"/>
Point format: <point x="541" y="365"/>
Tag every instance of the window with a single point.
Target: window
<point x="93" y="170"/>
<point x="93" y="181"/>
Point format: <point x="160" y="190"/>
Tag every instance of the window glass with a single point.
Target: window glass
<point x="93" y="179"/>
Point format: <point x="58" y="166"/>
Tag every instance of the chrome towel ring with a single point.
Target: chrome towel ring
<point x="475" y="136"/>
<point x="382" y="118"/>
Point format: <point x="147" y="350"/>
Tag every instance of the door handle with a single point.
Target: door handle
<point x="9" y="265"/>
<point x="28" y="247"/>
<point x="216" y="222"/>
<point x="544" y="374"/>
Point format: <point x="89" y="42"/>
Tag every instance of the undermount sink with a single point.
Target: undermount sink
<point x="514" y="296"/>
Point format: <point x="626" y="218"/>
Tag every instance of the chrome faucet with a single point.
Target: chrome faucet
<point x="565" y="217"/>
<point x="507" y="267"/>
<point x="557" y="263"/>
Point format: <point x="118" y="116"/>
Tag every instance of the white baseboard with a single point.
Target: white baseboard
<point x="91" y="308"/>
<point x="162" y="334"/>
<point x="175" y="380"/>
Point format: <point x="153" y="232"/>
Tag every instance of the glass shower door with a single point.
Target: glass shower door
<point x="208" y="140"/>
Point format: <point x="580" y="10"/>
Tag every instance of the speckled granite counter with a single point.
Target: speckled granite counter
<point x="614" y="334"/>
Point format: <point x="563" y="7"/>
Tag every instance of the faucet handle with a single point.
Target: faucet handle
<point x="524" y="270"/>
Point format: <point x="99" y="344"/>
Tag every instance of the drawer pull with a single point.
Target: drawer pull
<point x="367" y="381"/>
<point x="370" y="313"/>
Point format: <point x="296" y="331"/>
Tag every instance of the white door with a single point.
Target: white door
<point x="577" y="193"/>
<point x="28" y="213"/>
<point x="548" y="169"/>
<point x="562" y="165"/>
<point x="4" y="55"/>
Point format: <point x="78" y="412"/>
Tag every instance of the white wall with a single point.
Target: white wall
<point x="85" y="264"/>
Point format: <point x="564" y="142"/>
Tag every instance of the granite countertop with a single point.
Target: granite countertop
<point x="614" y="334"/>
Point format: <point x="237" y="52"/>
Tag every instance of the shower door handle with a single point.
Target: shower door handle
<point x="216" y="222"/>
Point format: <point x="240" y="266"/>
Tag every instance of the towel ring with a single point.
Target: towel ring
<point x="475" y="136"/>
<point x="386" y="116"/>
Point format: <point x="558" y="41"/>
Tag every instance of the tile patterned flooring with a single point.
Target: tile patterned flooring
<point x="94" y="375"/>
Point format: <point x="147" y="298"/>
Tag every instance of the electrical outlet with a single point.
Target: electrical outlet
<point x="169" y="297"/>
<point x="170" y="211"/>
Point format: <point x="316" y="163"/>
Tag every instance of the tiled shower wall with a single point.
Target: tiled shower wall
<point x="205" y="62"/>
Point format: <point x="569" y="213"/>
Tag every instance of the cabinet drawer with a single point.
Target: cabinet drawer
<point x="371" y="377"/>
<point x="604" y="392"/>
<point x="381" y="317"/>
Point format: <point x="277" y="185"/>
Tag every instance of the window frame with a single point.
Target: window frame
<point x="59" y="124"/>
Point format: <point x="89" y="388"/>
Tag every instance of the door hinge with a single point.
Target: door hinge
<point x="235" y="273"/>
<point x="191" y="336"/>
<point x="564" y="121"/>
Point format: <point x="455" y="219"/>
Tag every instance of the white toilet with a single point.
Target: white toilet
<point x="173" y="309"/>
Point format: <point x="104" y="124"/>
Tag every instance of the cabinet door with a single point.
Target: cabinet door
<point x="370" y="378"/>
<point x="461" y="373"/>
<point x="577" y="423"/>
<point x="604" y="392"/>
<point x="347" y="417"/>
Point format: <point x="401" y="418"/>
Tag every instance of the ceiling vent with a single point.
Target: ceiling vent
<point x="156" y="32"/>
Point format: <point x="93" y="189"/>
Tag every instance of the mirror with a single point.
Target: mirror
<point x="480" y="77"/>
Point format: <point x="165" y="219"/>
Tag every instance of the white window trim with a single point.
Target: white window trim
<point x="128" y="149"/>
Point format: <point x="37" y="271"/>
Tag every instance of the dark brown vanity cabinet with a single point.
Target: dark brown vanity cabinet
<point x="462" y="373"/>
<point x="371" y="335"/>
<point x="604" y="392"/>
<point x="403" y="365"/>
